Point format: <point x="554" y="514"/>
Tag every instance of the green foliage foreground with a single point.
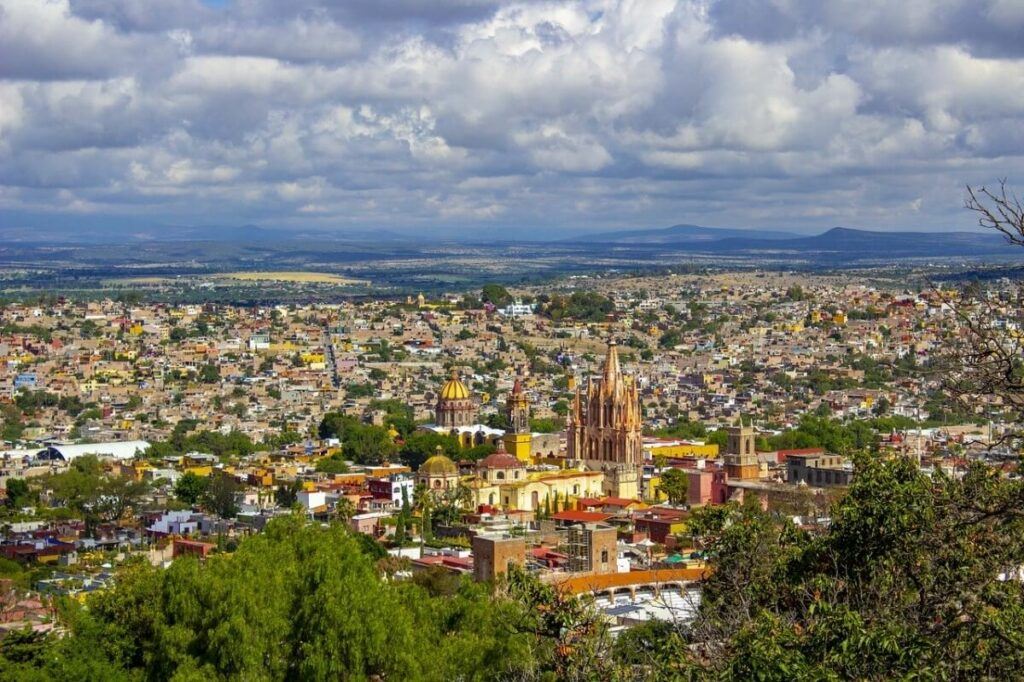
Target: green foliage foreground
<point x="908" y="581"/>
<point x="299" y="602"/>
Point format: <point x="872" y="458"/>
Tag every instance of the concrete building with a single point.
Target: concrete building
<point x="818" y="470"/>
<point x="592" y="549"/>
<point x="494" y="553"/>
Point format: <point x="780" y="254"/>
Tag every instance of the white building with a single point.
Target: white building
<point x="312" y="500"/>
<point x="124" y="450"/>
<point x="517" y="309"/>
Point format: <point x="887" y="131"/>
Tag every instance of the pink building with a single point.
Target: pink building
<point x="699" y="491"/>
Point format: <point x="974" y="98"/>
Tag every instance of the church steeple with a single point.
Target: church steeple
<point x="612" y="374"/>
<point x="517" y="440"/>
<point x="603" y="428"/>
<point x="518" y="409"/>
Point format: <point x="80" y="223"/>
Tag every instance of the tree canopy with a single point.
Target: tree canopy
<point x="908" y="580"/>
<point x="362" y="443"/>
<point x="299" y="601"/>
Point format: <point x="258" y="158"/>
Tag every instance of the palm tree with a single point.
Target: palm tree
<point x="344" y="509"/>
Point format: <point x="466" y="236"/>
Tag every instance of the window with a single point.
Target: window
<point x="500" y="475"/>
<point x="604" y="556"/>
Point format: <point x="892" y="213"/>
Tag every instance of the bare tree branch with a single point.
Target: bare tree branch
<point x="998" y="210"/>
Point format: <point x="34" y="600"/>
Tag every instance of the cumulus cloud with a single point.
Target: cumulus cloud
<point x="545" y="114"/>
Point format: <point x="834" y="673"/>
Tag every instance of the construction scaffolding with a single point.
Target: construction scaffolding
<point x="580" y="549"/>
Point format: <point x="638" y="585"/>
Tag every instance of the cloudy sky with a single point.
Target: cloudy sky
<point x="498" y="117"/>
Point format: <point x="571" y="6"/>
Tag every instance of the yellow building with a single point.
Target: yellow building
<point x="682" y="449"/>
<point x="314" y="361"/>
<point x="138" y="469"/>
<point x="794" y="327"/>
<point x="502" y="480"/>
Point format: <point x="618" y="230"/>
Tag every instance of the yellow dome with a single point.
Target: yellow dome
<point x="454" y="389"/>
<point x="439" y="465"/>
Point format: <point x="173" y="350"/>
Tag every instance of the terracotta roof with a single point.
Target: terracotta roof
<point x="500" y="460"/>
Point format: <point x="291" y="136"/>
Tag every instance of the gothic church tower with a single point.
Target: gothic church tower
<point x="604" y="428"/>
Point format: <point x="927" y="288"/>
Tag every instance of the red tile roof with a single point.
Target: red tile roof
<point x="783" y="454"/>
<point x="617" y="501"/>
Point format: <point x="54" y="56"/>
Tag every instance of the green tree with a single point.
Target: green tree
<point x="422" y="445"/>
<point x="18" y="493"/>
<point x="675" y="483"/>
<point x="398" y="414"/>
<point x="190" y="488"/>
<point x="209" y="373"/>
<point x="719" y="438"/>
<point x="287" y="494"/>
<point x="496" y="295"/>
<point x="401" y="535"/>
<point x="332" y="464"/>
<point x="302" y="601"/>
<point x="220" y="494"/>
<point x="905" y="581"/>
<point x="84" y="489"/>
<point x="369" y="445"/>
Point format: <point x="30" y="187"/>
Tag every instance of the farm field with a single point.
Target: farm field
<point x="298" y="277"/>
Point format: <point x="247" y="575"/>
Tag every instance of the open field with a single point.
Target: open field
<point x="300" y="277"/>
<point x="139" y="281"/>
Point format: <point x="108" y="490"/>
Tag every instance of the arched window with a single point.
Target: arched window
<point x="437" y="483"/>
<point x="500" y="475"/>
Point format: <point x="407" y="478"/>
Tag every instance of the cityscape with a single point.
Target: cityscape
<point x="586" y="340"/>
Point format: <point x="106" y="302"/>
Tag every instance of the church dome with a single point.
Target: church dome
<point x="500" y="460"/>
<point x="454" y="389"/>
<point x="439" y="465"/>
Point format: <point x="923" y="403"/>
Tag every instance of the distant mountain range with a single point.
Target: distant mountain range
<point x="834" y="247"/>
<point x="681" y="234"/>
<point x="837" y="244"/>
